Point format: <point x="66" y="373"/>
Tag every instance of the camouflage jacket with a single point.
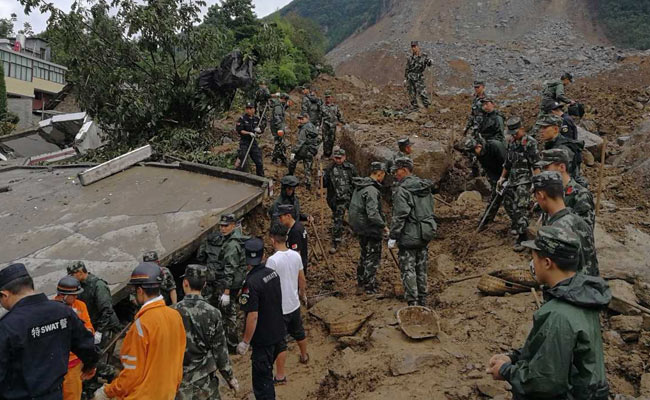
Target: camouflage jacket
<point x="277" y="117"/>
<point x="521" y="156"/>
<point x="262" y="97"/>
<point x="206" y="349"/>
<point x="331" y="115"/>
<point x="416" y="65"/>
<point x="573" y="147"/>
<point x="568" y="220"/>
<point x="492" y="126"/>
<point x="338" y="181"/>
<point x="312" y="105"/>
<point x="554" y="91"/>
<point x="308" y="140"/>
<point x="225" y="259"/>
<point x="366" y="215"/>
<point x="476" y="114"/>
<point x="391" y="162"/>
<point x="283" y="199"/>
<point x="167" y="285"/>
<point x="581" y="202"/>
<point x="97" y="297"/>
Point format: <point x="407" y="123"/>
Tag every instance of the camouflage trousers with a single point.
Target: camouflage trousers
<point x="279" y="149"/>
<point x="516" y="201"/>
<point x="308" y="162"/>
<point x="413" y="265"/>
<point x="329" y="138"/>
<point x="206" y="388"/>
<point x="492" y="212"/>
<point x="369" y="261"/>
<point x="338" y="212"/>
<point x="418" y="90"/>
<point x="212" y="293"/>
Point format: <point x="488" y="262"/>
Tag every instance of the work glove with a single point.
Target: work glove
<point x="101" y="395"/>
<point x="500" y="183"/>
<point x="98" y="337"/>
<point x="242" y="348"/>
<point x="258" y="130"/>
<point x="392" y="243"/>
<point x="252" y="135"/>
<point x="292" y="156"/>
<point x="224" y="300"/>
<point x="234" y="384"/>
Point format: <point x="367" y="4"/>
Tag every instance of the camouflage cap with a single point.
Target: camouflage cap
<point x="69" y="285"/>
<point x="547" y="179"/>
<point x="513" y="124"/>
<point x="338" y="152"/>
<point x="488" y="100"/>
<point x="403" y="162"/>
<point x="75" y="266"/>
<point x="550" y="105"/>
<point x="284" y="209"/>
<point x="285" y="96"/>
<point x="289" y="180"/>
<point x="227" y="219"/>
<point x="328" y="93"/>
<point x="305" y="87"/>
<point x="549" y="120"/>
<point x="559" y="244"/>
<point x="554" y="156"/>
<point x="150" y="256"/>
<point x="195" y="271"/>
<point x="377" y="166"/>
<point x="403" y="142"/>
<point x="414" y="43"/>
<point x="303" y="115"/>
<point x="478" y="83"/>
<point x="567" y="75"/>
<point x="471" y="143"/>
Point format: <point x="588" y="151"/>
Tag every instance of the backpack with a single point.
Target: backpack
<point x="577" y="110"/>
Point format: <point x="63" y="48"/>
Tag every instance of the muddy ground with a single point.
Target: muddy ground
<point x="473" y="326"/>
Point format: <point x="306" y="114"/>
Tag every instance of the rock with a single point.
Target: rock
<point x="588" y="158"/>
<point x="490" y="389"/>
<point x="352" y="341"/>
<point x="628" y="326"/>
<point x="347" y="365"/>
<point x="470" y="200"/>
<point x="589" y="125"/>
<point x="481" y="185"/>
<point x="407" y="363"/>
<point x="429" y="124"/>
<point x="627" y="261"/>
<point x="613" y="338"/>
<point x="592" y="141"/>
<point x="621" y="140"/>
<point x="644" y="387"/>
<point x="642" y="291"/>
<point x="625" y="291"/>
<point x="644" y="339"/>
<point x="646" y="322"/>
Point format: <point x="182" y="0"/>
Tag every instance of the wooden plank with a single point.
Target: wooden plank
<point x="115" y="165"/>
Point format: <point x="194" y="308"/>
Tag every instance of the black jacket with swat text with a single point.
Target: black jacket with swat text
<point x="36" y="338"/>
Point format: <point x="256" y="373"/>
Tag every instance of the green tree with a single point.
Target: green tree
<point x="626" y="22"/>
<point x="236" y="16"/>
<point x="27" y="30"/>
<point x="7" y="26"/>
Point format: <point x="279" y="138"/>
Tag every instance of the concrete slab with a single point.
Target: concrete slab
<point x="49" y="219"/>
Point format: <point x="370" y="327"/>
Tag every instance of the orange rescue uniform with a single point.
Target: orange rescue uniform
<point x="152" y="355"/>
<point x="72" y="385"/>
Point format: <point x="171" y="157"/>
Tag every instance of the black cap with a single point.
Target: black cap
<point x="146" y="275"/>
<point x="227" y="219"/>
<point x="250" y="105"/>
<point x="567" y="75"/>
<point x="547" y="179"/>
<point x="289" y="180"/>
<point x="11" y="273"/>
<point x="254" y="249"/>
<point x="284" y="209"/>
<point x="69" y="285"/>
<point x="513" y="124"/>
<point x="415" y="43"/>
<point x="550" y="105"/>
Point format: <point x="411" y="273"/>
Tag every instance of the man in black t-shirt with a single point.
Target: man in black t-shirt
<point x="297" y="236"/>
<point x="265" y="330"/>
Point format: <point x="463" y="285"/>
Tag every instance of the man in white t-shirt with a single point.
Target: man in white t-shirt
<point x="288" y="264"/>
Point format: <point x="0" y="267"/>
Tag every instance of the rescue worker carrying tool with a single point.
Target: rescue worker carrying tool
<point x="249" y="126"/>
<point x="36" y="338"/>
<point x="152" y="352"/>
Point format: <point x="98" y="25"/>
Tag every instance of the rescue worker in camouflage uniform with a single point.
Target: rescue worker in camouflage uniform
<point x="549" y="193"/>
<point x="311" y="105"/>
<point x="305" y="148"/>
<point x="569" y="128"/>
<point x="553" y="92"/>
<point x="414" y="76"/>
<point x="278" y="109"/>
<point x="223" y="252"/>
<point x="476" y="114"/>
<point x="331" y="115"/>
<point x="491" y="154"/>
<point x="562" y="357"/>
<point x="405" y="148"/>
<point x="412" y="228"/>
<point x="168" y="286"/>
<point x="492" y="124"/>
<point x="521" y="156"/>
<point x="368" y="222"/>
<point x="337" y="179"/>
<point x="576" y="197"/>
<point x="206" y="349"/>
<point x="262" y="98"/>
<point x="549" y="132"/>
<point x="288" y="196"/>
<point x="249" y="127"/>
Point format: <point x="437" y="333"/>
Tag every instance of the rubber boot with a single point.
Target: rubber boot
<point x="518" y="247"/>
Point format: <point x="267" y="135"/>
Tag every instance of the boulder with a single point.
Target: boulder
<point x="481" y="185"/>
<point x="644" y="339"/>
<point x="622" y="290"/>
<point x="627" y="261"/>
<point x="646" y="322"/>
<point x="627" y="326"/>
<point x="588" y="158"/>
<point x="407" y="363"/>
<point x="589" y="125"/>
<point x="642" y="291"/>
<point x="593" y="142"/>
<point x="470" y="200"/>
<point x="644" y="387"/>
<point x="613" y="338"/>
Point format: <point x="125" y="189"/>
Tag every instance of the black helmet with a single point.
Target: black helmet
<point x="69" y="285"/>
<point x="146" y="275"/>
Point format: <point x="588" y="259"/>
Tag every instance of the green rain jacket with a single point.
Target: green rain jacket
<point x="366" y="215"/>
<point x="413" y="225"/>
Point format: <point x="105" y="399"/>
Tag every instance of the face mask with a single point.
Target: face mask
<point x="532" y="268"/>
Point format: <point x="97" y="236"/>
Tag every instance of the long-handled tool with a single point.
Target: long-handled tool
<point x="250" y="146"/>
<point x="601" y="170"/>
<point x="534" y="292"/>
<point x="499" y="194"/>
<point x="113" y="341"/>
<point x="322" y="249"/>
